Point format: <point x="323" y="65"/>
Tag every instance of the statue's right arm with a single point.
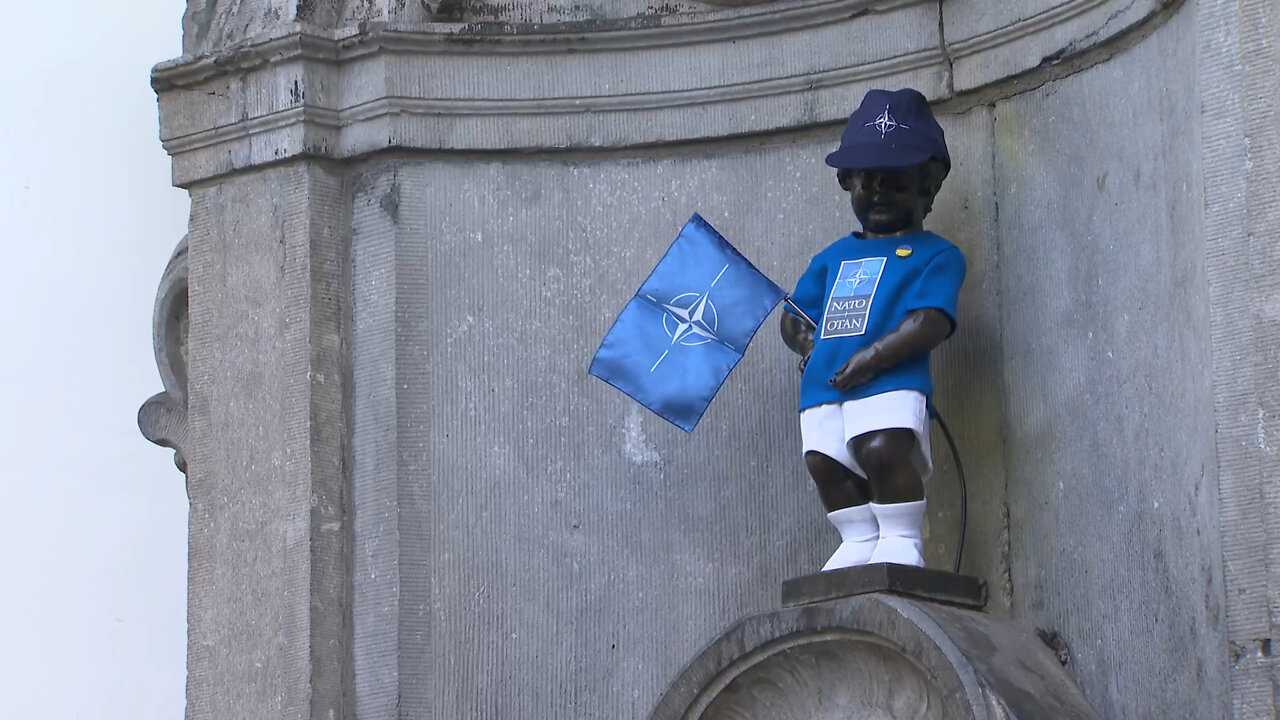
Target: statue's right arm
<point x="797" y="333"/>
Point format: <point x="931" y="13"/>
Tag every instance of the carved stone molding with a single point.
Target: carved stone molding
<point x="163" y="417"/>
<point x="988" y="42"/>
<point x="874" y="656"/>
<point x="210" y="25"/>
<point x="809" y="678"/>
<point x="500" y="86"/>
<point x="342" y="90"/>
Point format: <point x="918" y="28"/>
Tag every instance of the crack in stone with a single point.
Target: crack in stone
<point x="948" y="61"/>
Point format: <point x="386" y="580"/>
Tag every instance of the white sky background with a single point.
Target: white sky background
<point x="93" y="524"/>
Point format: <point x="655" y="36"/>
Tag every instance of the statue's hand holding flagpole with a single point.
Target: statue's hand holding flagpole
<point x="797" y="332"/>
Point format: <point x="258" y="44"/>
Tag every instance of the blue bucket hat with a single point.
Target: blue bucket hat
<point x="890" y="129"/>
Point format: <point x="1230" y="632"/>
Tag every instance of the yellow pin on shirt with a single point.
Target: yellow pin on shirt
<point x="903" y="251"/>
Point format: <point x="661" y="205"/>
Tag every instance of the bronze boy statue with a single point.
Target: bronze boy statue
<point x="883" y="298"/>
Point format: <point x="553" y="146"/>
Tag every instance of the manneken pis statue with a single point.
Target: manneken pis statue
<point x="883" y="298"/>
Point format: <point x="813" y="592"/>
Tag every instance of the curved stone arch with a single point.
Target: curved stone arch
<point x="170" y="318"/>
<point x="770" y="650"/>
<point x="807" y="677"/>
<point x="163" y="417"/>
<point x="912" y="660"/>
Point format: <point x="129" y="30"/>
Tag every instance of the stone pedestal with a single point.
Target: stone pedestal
<point x="904" y="580"/>
<point x="874" y="655"/>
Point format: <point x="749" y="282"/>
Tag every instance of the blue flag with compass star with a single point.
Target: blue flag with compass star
<point x="688" y="325"/>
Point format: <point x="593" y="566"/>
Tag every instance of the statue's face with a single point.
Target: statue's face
<point x="887" y="201"/>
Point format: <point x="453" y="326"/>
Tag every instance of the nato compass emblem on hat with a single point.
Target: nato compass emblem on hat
<point x="885" y="123"/>
<point x="691" y="319"/>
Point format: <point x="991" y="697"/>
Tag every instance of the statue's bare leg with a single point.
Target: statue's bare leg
<point x="845" y="495"/>
<point x="897" y="493"/>
<point x="838" y="486"/>
<point x="886" y="457"/>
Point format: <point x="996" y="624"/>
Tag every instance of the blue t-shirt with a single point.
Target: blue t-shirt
<point x="860" y="289"/>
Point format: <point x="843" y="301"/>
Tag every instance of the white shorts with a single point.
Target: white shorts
<point x="828" y="428"/>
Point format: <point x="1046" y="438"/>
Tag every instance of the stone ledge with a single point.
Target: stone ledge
<point x="344" y="93"/>
<point x="904" y="580"/>
<point x="982" y="57"/>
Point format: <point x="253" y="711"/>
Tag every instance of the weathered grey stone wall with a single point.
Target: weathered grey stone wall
<point x="268" y="577"/>
<point x="562" y="552"/>
<point x="553" y="518"/>
<point x="1240" y="88"/>
<point x="559" y="11"/>
<point x="1114" y="537"/>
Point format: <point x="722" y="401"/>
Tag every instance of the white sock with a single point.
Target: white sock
<point x="858" y="534"/>
<point x="900" y="529"/>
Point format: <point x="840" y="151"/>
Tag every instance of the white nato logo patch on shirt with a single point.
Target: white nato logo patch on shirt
<point x="851" y="296"/>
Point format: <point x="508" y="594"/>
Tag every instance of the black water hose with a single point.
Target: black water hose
<point x="964" y="490"/>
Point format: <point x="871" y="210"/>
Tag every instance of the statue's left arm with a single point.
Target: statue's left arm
<point x="931" y="318"/>
<point x="918" y="333"/>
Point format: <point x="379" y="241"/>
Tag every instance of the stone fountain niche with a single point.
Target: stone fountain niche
<point x="411" y="224"/>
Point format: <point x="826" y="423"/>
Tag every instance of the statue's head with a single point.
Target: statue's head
<point x="892" y="160"/>
<point x="892" y="200"/>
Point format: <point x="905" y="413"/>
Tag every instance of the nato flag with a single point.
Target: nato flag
<point x="677" y="340"/>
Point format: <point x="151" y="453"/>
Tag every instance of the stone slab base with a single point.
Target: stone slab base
<point x="904" y="580"/>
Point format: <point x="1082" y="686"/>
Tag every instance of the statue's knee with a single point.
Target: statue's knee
<point x="838" y="486"/>
<point x="823" y="467"/>
<point x="883" y="451"/>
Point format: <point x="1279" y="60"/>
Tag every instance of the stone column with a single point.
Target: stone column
<point x="1239" y="87"/>
<point x="268" y="618"/>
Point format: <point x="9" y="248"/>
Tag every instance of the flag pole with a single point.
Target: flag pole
<point x="787" y="299"/>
